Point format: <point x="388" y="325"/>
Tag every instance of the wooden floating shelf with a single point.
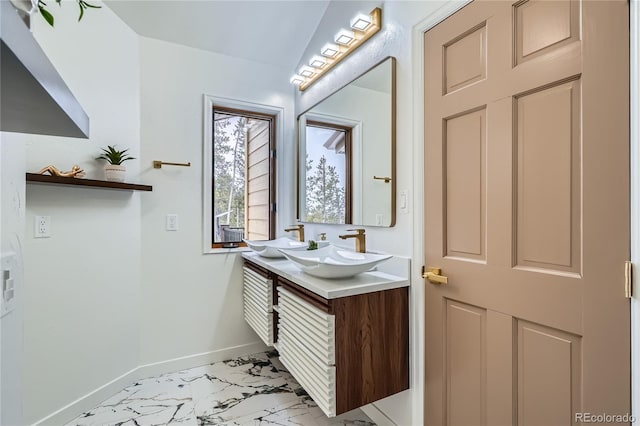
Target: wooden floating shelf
<point x="59" y="180"/>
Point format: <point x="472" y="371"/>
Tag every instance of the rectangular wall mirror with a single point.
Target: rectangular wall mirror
<point x="346" y="153"/>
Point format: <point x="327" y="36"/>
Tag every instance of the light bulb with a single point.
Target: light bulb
<point x="330" y="50"/>
<point x="361" y="22"/>
<point x="318" y="61"/>
<point x="306" y="71"/>
<point x="345" y="37"/>
<point x="297" y="80"/>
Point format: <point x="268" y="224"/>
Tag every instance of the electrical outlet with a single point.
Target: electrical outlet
<point x="172" y="222"/>
<point x="42" y="227"/>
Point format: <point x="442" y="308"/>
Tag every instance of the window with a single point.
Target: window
<point x="243" y="177"/>
<point x="328" y="173"/>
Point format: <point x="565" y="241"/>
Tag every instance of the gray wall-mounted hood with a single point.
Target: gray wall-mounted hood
<point x="33" y="96"/>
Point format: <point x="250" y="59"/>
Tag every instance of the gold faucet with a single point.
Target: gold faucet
<point x="300" y="228"/>
<point x="361" y="245"/>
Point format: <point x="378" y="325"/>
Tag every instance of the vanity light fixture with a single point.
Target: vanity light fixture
<point x="365" y="27"/>
<point x="361" y="22"/>
<point x="345" y="37"/>
<point x="318" y="61"/>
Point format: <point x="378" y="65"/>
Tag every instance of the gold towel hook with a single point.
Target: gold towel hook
<point x="158" y="164"/>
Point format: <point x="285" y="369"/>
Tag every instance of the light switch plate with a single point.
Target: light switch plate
<point x="403" y="200"/>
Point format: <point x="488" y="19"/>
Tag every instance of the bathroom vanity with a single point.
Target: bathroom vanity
<point x="345" y="341"/>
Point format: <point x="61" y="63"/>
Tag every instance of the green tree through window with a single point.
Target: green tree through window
<point x="242" y="169"/>
<point x="325" y="194"/>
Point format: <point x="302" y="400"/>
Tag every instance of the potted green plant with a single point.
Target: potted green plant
<point x="27" y="8"/>
<point x="42" y="6"/>
<point x="114" y="171"/>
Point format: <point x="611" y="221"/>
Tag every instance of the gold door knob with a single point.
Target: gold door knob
<point x="433" y="276"/>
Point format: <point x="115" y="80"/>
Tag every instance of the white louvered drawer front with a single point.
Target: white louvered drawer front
<point x="259" y="289"/>
<point x="313" y="328"/>
<point x="306" y="343"/>
<point x="258" y="304"/>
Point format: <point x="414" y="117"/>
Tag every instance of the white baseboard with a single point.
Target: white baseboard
<point x="196" y="360"/>
<point x="378" y="417"/>
<point x="95" y="397"/>
<point x="89" y="401"/>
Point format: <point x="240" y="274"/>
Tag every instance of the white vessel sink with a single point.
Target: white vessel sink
<point x="269" y="248"/>
<point x="333" y="262"/>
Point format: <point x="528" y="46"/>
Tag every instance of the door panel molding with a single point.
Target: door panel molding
<point x="548" y="206"/>
<point x="561" y="26"/>
<point x="465" y="351"/>
<point x="465" y="59"/>
<point x="464" y="192"/>
<point x="548" y="375"/>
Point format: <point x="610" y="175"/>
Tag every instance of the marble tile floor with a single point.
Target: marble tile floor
<point x="251" y="390"/>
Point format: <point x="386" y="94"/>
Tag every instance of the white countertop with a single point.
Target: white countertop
<point x="393" y="273"/>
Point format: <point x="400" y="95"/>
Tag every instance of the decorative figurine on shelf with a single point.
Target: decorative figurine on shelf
<point x="75" y="172"/>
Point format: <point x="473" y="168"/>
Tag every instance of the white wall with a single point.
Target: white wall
<point x="191" y="302"/>
<point x="400" y="20"/>
<point x="12" y="190"/>
<point x="111" y="295"/>
<point x="82" y="292"/>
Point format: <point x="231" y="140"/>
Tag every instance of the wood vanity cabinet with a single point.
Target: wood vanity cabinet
<point x="346" y="352"/>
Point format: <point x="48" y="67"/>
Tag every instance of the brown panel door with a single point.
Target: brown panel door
<point x="527" y="213"/>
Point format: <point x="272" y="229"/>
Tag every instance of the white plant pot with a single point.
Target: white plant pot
<point x="26" y="9"/>
<point x="115" y="173"/>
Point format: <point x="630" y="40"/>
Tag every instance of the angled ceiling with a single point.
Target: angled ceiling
<point x="269" y="32"/>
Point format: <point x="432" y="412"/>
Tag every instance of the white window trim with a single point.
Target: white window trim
<point x="207" y="159"/>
